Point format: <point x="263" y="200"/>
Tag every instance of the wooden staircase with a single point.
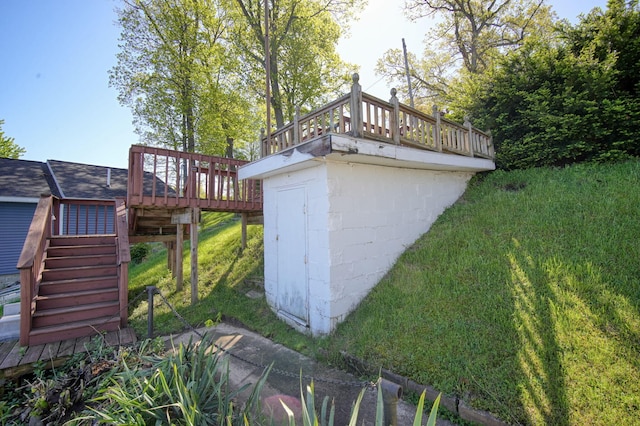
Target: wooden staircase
<point x="73" y="285"/>
<point x="78" y="293"/>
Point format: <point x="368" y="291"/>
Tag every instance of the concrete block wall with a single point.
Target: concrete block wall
<point x="359" y="219"/>
<point x="376" y="213"/>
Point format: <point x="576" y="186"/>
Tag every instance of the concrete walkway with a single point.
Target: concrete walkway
<point x="284" y="379"/>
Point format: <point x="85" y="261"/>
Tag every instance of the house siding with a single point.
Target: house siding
<point x="15" y="219"/>
<point x="83" y="220"/>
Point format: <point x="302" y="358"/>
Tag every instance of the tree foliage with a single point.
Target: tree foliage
<point x="568" y="101"/>
<point x="8" y="147"/>
<point x="305" y="69"/>
<point x="470" y="36"/>
<point x="174" y="72"/>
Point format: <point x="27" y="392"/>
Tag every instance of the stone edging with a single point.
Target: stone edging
<point x="451" y="403"/>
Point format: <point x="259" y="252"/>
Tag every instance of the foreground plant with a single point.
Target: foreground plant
<point x="310" y="416"/>
<point x="189" y="386"/>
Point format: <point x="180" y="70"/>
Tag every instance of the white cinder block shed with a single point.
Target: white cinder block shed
<point x="338" y="211"/>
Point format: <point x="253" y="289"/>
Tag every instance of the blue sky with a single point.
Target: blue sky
<point x="54" y="92"/>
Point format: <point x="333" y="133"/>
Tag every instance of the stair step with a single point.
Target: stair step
<point x="81" y="250"/>
<point x="74" y="240"/>
<point x="73" y="330"/>
<point x="82" y="271"/>
<point x="70" y="314"/>
<point x="76" y="298"/>
<point x="80" y="260"/>
<point x="77" y="284"/>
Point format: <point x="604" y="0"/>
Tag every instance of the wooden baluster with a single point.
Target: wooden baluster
<point x="153" y="183"/>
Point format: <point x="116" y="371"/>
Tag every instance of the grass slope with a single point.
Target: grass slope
<point x="523" y="298"/>
<point x="226" y="275"/>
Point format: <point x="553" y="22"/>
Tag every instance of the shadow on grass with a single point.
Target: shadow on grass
<point x="542" y="388"/>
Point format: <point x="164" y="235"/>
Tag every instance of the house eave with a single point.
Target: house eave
<point x="26" y="200"/>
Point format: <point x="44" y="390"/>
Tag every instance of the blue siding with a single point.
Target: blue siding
<point x="15" y="219"/>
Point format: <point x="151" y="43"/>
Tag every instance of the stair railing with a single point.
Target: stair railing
<point x="31" y="263"/>
<point x="124" y="257"/>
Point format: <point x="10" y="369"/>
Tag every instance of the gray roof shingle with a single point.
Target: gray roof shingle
<point x="23" y="178"/>
<point x="88" y="181"/>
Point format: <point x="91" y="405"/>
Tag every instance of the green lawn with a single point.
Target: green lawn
<point x="523" y="299"/>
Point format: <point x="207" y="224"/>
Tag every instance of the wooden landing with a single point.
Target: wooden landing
<point x="16" y="360"/>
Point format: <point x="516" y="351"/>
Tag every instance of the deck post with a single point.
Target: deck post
<point x="195" y="218"/>
<point x="395" y="118"/>
<point x="492" y="152"/>
<point x="296" y="126"/>
<point x="467" y="124"/>
<point x="356" y="107"/>
<point x="171" y="257"/>
<point x="178" y="255"/>
<point x="264" y="147"/>
<point x="244" y="231"/>
<point x="436" y="129"/>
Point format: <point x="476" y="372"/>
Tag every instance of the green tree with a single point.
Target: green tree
<point x="8" y="147"/>
<point x="305" y="69"/>
<point x="174" y="72"/>
<point x="470" y="35"/>
<point x="565" y="101"/>
<point x="615" y="31"/>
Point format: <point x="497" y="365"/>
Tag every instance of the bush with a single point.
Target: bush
<point x="139" y="252"/>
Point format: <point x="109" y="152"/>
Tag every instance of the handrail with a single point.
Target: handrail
<point x="365" y="116"/>
<point x="123" y="257"/>
<point x="31" y="261"/>
<point x="166" y="178"/>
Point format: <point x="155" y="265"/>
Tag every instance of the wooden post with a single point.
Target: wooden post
<point x="395" y="117"/>
<point x="195" y="218"/>
<point x="436" y="130"/>
<point x="123" y="285"/>
<point x="492" y="151"/>
<point x="467" y="124"/>
<point x="244" y="231"/>
<point x="264" y="144"/>
<point x="179" y="247"/>
<point x="296" y="127"/>
<point x="171" y="257"/>
<point x="356" y="107"/>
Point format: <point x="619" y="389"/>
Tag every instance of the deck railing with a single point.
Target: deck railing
<point x="123" y="257"/>
<point x="364" y="116"/>
<point x="165" y="178"/>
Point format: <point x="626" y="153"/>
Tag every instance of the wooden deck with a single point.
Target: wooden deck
<point x="16" y="360"/>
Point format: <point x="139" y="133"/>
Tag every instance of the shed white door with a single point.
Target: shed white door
<point x="291" y="241"/>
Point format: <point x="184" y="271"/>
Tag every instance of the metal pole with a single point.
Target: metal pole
<point x="151" y="290"/>
<point x="391" y="393"/>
